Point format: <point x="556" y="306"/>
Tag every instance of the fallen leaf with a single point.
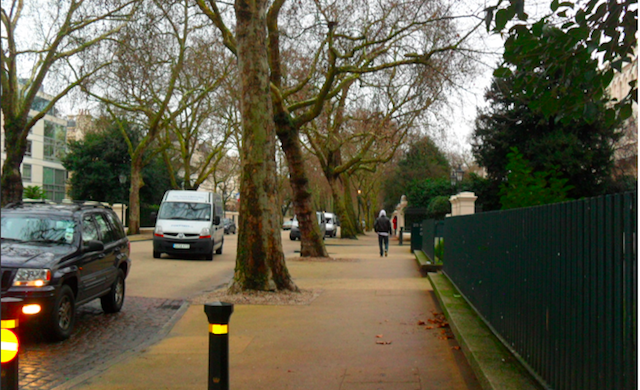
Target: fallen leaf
<point x="378" y="336"/>
<point x="421" y="322"/>
<point x="383" y="342"/>
<point x="457" y="348"/>
<point x="428" y="327"/>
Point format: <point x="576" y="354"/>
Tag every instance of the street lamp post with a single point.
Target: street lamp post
<point x="123" y="180"/>
<point x="456" y="176"/>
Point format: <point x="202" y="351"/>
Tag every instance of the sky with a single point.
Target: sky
<point x="456" y="122"/>
<point x="465" y="101"/>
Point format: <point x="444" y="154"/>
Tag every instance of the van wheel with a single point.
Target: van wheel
<point x="63" y="316"/>
<point x="156" y="254"/>
<point x="219" y="250"/>
<point x="112" y="302"/>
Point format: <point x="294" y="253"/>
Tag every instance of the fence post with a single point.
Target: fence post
<point x="218" y="314"/>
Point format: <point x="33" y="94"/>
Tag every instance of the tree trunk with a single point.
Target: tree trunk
<point x="347" y="228"/>
<point x="348" y="204"/>
<point x="260" y="261"/>
<point x="134" y="195"/>
<point x="311" y="243"/>
<point x="16" y="146"/>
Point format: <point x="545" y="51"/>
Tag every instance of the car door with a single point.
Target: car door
<point x="106" y="272"/>
<point x="89" y="263"/>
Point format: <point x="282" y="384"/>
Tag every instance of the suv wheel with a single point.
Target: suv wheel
<point x="63" y="315"/>
<point x="113" y="301"/>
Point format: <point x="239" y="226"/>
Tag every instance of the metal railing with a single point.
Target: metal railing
<point x="557" y="284"/>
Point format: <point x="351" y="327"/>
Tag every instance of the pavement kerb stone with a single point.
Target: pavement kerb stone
<point x="495" y="367"/>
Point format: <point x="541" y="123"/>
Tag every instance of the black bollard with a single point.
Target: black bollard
<point x="10" y="343"/>
<point x="401" y="235"/>
<point x="218" y="314"/>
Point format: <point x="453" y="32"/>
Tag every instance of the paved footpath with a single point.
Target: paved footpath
<point x="371" y="327"/>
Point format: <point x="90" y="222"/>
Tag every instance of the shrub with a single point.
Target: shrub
<point x="34" y="192"/>
<point x="438" y="251"/>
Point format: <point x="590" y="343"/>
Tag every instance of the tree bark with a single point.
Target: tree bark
<point x="16" y="145"/>
<point x="347" y="222"/>
<point x="260" y="261"/>
<point x="311" y="243"/>
<point x="134" y="195"/>
<point x="348" y="205"/>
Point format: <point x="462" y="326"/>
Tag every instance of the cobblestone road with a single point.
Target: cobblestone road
<point x="97" y="339"/>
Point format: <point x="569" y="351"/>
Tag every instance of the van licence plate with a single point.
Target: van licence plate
<point x="180" y="246"/>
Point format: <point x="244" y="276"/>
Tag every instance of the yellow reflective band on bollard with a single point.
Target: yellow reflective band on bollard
<point x="218" y="329"/>
<point x="9" y="324"/>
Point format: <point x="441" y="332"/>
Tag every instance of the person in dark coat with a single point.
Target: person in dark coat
<point x="383" y="228"/>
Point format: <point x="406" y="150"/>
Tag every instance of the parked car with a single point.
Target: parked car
<point x="331" y="224"/>
<point x="294" y="234"/>
<point x="56" y="257"/>
<point x="229" y="226"/>
<point x="286" y="225"/>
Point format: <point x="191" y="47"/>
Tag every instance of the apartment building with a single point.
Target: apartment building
<point x="46" y="144"/>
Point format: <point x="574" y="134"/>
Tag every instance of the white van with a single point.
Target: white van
<point x="189" y="223"/>
<point x="332" y="226"/>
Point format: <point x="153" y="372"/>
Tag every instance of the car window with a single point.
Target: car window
<point x="89" y="229"/>
<point x="43" y="229"/>
<point x="185" y="211"/>
<point x="118" y="229"/>
<point x="105" y="229"/>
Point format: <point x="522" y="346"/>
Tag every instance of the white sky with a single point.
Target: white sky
<point x="465" y="102"/>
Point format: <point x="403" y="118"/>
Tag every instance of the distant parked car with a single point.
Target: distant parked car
<point x="229" y="226"/>
<point x="286" y="225"/>
<point x="295" y="229"/>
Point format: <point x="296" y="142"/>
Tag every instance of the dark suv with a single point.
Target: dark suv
<point x="56" y="257"/>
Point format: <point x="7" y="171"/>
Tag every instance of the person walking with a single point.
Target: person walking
<point x="383" y="228"/>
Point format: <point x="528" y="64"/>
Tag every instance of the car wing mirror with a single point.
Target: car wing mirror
<point x="93" y="246"/>
<point x="216" y="220"/>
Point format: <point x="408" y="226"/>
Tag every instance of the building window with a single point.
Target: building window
<point x="54" y="183"/>
<point x="55" y="136"/>
<point x="28" y="151"/>
<point x="26" y="172"/>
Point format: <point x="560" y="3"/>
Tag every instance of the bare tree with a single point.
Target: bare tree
<point x="151" y="79"/>
<point x="327" y="46"/>
<point x="260" y="261"/>
<point x="196" y="140"/>
<point x="323" y="47"/>
<point x="64" y="47"/>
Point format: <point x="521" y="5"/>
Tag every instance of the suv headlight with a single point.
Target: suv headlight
<point x="32" y="277"/>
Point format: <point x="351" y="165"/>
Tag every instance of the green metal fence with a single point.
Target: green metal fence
<point x="431" y="229"/>
<point x="557" y="284"/>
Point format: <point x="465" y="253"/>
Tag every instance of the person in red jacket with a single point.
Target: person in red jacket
<point x="383" y="228"/>
<point x="395" y="224"/>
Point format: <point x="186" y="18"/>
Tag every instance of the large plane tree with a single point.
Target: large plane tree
<point x="63" y="50"/>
